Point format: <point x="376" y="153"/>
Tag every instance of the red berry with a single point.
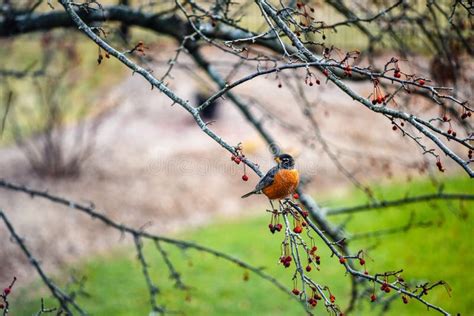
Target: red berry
<point x="296" y="196"/>
<point x="469" y="114"/>
<point x="449" y="131"/>
<point x="464" y="116"/>
<point x="394" y="127"/>
<point x="308" y="268"/>
<point x="6" y="291"/>
<point x="332" y="298"/>
<point x="279" y="85"/>
<point x="303" y="224"/>
<point x="296" y="291"/>
<point x="326" y="72"/>
<point x="445" y="118"/>
<point x="318" y="82"/>
<point x="286" y="264"/>
<point x="361" y="261"/>
<point x="305" y="214"/>
<point x="405" y="299"/>
<point x="366" y="272"/>
<point x="373" y="298"/>
<point x="454" y="134"/>
<point x="421" y="82"/>
<point x="232" y="158"/>
<point x="379" y="100"/>
<point x="397" y="74"/>
<point x="278" y="227"/>
<point x="317" y="296"/>
<point x="2" y="306"/>
<point x="313" y="250"/>
<point x="245" y="177"/>
<point x="237" y="160"/>
<point x="298" y="229"/>
<point x="387" y="290"/>
<point x="342" y="260"/>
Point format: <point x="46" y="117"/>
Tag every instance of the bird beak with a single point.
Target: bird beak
<point x="277" y="159"/>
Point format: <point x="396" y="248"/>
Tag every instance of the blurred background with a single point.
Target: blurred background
<point x="94" y="133"/>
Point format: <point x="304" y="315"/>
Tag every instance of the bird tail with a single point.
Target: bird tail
<point x="248" y="194"/>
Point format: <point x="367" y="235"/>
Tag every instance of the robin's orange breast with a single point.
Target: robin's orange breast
<point x="284" y="184"/>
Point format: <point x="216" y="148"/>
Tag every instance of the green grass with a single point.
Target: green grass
<point x="116" y="285"/>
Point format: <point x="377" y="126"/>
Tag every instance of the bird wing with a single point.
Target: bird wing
<point x="267" y="179"/>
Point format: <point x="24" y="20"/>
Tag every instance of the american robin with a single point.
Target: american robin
<point x="280" y="181"/>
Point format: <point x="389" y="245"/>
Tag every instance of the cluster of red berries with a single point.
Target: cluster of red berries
<point x="313" y="301"/>
<point x="238" y="159"/>
<point x="450" y="130"/>
<point x="312" y="254"/>
<point x="309" y="79"/>
<point x="379" y="97"/>
<point x="465" y="115"/>
<point x="286" y="261"/>
<point x="394" y="126"/>
<point x="275" y="228"/>
<point x="385" y="287"/>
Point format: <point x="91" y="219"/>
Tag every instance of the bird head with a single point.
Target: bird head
<point x="285" y="161"/>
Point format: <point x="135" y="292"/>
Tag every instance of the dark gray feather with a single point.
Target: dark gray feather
<point x="267" y="179"/>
